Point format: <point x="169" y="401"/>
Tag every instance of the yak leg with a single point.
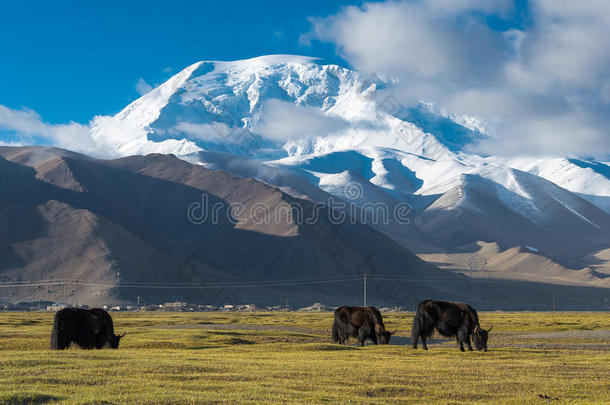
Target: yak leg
<point x="61" y="341"/>
<point x="66" y="341"/>
<point x="414" y="338"/>
<point x="100" y="338"/>
<point x="461" y="344"/>
<point x="423" y="342"/>
<point x="87" y="340"/>
<point x="462" y="337"/>
<point x="362" y="335"/>
<point x="467" y="340"/>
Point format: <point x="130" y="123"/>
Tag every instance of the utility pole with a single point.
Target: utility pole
<point x="364" y="289"/>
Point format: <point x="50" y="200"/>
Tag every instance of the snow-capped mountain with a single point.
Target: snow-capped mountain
<point x="224" y="106"/>
<point x="323" y="129"/>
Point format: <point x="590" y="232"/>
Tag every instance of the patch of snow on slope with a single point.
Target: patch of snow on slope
<point x="589" y="184"/>
<point x="578" y="214"/>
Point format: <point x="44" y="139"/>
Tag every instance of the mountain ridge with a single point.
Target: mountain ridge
<point x="322" y="133"/>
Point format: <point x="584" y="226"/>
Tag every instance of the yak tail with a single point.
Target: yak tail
<point x="58" y="334"/>
<point x="336" y="338"/>
<point x="416" y="324"/>
<point x="420" y="327"/>
<point x="55" y="334"/>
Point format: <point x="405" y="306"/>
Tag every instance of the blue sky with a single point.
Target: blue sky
<point x="71" y="60"/>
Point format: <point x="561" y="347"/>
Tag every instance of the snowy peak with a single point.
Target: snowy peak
<point x="272" y="107"/>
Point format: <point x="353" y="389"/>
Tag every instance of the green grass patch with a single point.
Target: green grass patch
<point x="182" y="358"/>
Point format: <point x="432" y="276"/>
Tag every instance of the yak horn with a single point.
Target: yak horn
<point x="476" y="328"/>
<point x="395" y="330"/>
<point x="490" y="328"/>
<point x="124" y="333"/>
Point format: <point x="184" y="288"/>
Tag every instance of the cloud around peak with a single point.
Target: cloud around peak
<point x="27" y="125"/>
<point x="542" y="87"/>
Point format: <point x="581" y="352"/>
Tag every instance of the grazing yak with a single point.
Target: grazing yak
<point x="88" y="328"/>
<point x="449" y="319"/>
<point x="361" y="323"/>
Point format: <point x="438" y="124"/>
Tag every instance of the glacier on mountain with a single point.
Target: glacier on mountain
<point x="328" y="126"/>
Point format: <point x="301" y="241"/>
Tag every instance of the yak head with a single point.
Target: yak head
<point x="383" y="335"/>
<point x="479" y="337"/>
<point x="115" y="340"/>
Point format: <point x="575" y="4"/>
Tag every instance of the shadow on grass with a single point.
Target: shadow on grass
<point x="225" y="333"/>
<point x="327" y="347"/>
<point x="27" y="399"/>
<point x="238" y="341"/>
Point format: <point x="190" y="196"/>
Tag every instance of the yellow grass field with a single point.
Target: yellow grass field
<point x="183" y="358"/>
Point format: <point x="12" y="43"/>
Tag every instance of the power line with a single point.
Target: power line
<point x="179" y="286"/>
<point x="240" y="284"/>
<point x="174" y="284"/>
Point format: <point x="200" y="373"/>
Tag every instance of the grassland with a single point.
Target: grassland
<point x="175" y="358"/>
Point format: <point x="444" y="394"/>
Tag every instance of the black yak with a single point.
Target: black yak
<point x="361" y="323"/>
<point x="88" y="328"/>
<point x="449" y="319"/>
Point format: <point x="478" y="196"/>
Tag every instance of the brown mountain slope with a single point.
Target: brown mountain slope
<point x="158" y="220"/>
<point x="518" y="263"/>
<point x="557" y="223"/>
<point x="66" y="216"/>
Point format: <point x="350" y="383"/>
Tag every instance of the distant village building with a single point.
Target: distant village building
<point x="317" y="307"/>
<point x="175" y="306"/>
<point x="152" y="307"/>
<point x="56" y="307"/>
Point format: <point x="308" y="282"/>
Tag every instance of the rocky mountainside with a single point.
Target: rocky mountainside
<point x="162" y="229"/>
<point x="158" y="219"/>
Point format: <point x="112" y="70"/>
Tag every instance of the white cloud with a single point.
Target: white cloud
<point x="142" y="87"/>
<point x="3" y="143"/>
<point x="104" y="136"/>
<point x="27" y="124"/>
<point x="543" y="88"/>
<point x="213" y="132"/>
<point x="420" y="39"/>
<point x="284" y="121"/>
